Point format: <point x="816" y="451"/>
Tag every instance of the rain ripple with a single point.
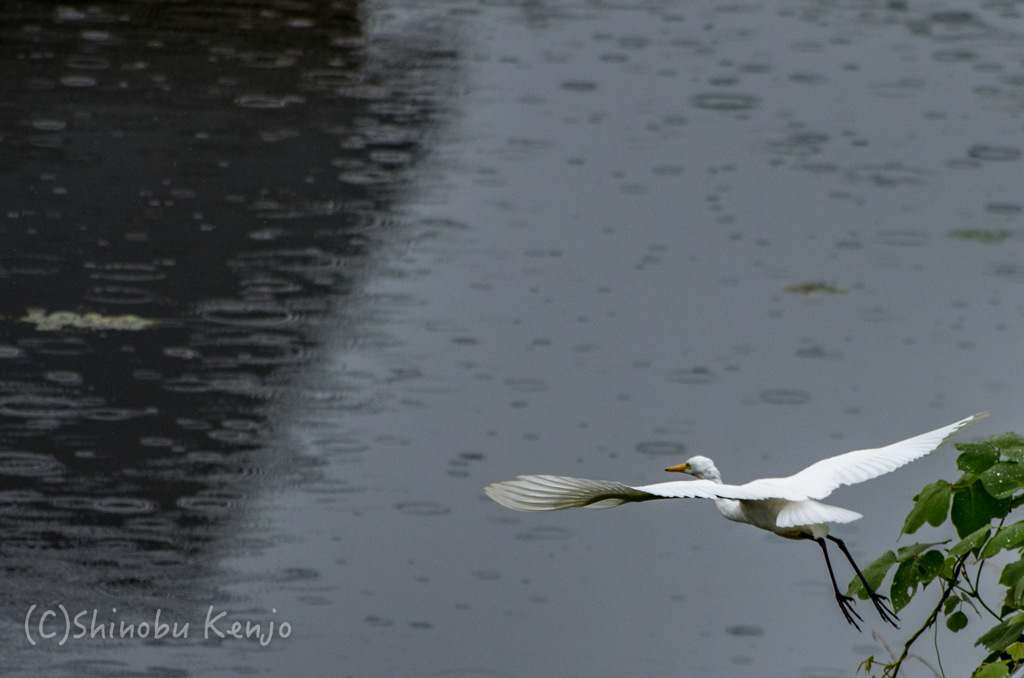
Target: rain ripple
<point x="125" y="272"/>
<point x="30" y="265"/>
<point x="268" y="286"/>
<point x="124" y="505"/>
<point x="245" y="313"/>
<point x="30" y="465"/>
<point x="309" y="260"/>
<point x="117" y="294"/>
<point x="724" y="101"/>
<point x="693" y="375"/>
<point x="266" y="59"/>
<point x="1006" y="209"/>
<point x="422" y="508"/>
<point x="544" y="533"/>
<point x="799" y="144"/>
<point x="267" y="102"/>
<point x="994" y="153"/>
<point x="902" y="237"/>
<point x="187" y="384"/>
<point x="785" y="396"/>
<point x="57" y="346"/>
<point x="744" y="630"/>
<point x="262" y="348"/>
<point x="661" y="449"/>
<point x="39" y="407"/>
<point x="329" y="78"/>
<point x="114" y="505"/>
<point x="888" y="175"/>
<point x="208" y="503"/>
<point x="88" y="62"/>
<point x="78" y="81"/>
<point x="1009" y="270"/>
<point x="118" y="413"/>
<point x="234" y="436"/>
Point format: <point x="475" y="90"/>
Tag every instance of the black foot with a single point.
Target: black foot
<point x="846" y="605"/>
<point x="887" y="614"/>
<point x="884" y="611"/>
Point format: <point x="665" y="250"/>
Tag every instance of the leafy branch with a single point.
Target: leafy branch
<point x="979" y="505"/>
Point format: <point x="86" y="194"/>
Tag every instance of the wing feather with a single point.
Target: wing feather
<point x="820" y="479"/>
<point x="554" y="493"/>
<point x="702" y="489"/>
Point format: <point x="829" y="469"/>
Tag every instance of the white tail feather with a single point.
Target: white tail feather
<point x="810" y="512"/>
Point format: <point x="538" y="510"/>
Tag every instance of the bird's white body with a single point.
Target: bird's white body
<point x="790" y="507"/>
<point x="788" y="518"/>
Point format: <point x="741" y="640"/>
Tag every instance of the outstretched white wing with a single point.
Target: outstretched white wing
<point x="820" y="479"/>
<point x="553" y="493"/>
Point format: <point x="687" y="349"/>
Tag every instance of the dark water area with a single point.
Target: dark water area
<point x="189" y="193"/>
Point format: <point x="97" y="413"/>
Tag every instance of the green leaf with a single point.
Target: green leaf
<point x="973" y="507"/>
<point x="1016" y="595"/>
<point x="1010" y="445"/>
<point x="976" y="457"/>
<point x="867" y="665"/>
<point x="999" y="637"/>
<point x="1008" y="537"/>
<point x="914" y="550"/>
<point x="994" y="670"/>
<point x="1012" y="573"/>
<point x="874" y="573"/>
<point x="970" y="542"/>
<point x="928" y="566"/>
<point x="1003" y="479"/>
<point x="911" y="572"/>
<point x="904" y="585"/>
<point x="1012" y="577"/>
<point x="931" y="506"/>
<point x="956" y="621"/>
<point x="1016" y="651"/>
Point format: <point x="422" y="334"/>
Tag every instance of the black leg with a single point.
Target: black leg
<point x="845" y="602"/>
<point x="879" y="601"/>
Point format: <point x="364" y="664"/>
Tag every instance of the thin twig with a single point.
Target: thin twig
<point x="938" y="655"/>
<point x="974" y="593"/>
<point x="892" y="655"/>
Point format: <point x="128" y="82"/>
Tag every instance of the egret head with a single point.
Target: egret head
<point x="698" y="467"/>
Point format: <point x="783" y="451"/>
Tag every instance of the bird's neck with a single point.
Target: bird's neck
<point x="729" y="508"/>
<point x="713" y="475"/>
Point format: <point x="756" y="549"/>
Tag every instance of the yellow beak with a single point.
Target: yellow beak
<point x="679" y="468"/>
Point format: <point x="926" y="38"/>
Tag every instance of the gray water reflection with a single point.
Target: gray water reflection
<point x="191" y="193"/>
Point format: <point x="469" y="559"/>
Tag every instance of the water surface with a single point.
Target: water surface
<point x="289" y="283"/>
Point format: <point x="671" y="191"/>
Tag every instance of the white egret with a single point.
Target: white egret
<point x="789" y="506"/>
